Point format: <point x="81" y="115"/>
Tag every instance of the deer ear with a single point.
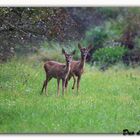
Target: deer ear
<point x="73" y="53"/>
<point x="90" y="47"/>
<point x="63" y="51"/>
<point x="79" y="46"/>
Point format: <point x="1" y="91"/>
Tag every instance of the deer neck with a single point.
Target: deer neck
<point x="82" y="62"/>
<point x="67" y="68"/>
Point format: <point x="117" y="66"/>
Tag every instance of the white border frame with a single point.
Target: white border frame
<point x="68" y="3"/>
<point x="67" y="137"/>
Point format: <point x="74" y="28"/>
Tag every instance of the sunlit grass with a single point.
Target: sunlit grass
<point x="108" y="102"/>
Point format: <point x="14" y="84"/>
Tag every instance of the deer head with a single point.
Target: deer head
<point x="84" y="51"/>
<point x="68" y="57"/>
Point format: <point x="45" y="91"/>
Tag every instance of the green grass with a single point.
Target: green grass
<point x="108" y="102"/>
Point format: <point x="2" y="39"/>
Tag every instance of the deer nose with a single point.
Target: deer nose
<point x="69" y="61"/>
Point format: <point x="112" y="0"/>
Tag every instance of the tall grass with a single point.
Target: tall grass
<point x="108" y="102"/>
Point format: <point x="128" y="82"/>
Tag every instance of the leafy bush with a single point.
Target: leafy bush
<point x="97" y="36"/>
<point x="100" y="35"/>
<point x="132" y="57"/>
<point x="109" y="12"/>
<point x="137" y="42"/>
<point x="109" y="55"/>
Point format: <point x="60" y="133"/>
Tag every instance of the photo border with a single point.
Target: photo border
<point x="67" y="3"/>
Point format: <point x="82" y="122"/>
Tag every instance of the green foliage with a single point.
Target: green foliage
<point x="114" y="29"/>
<point x="109" y="12"/>
<point x="109" y="31"/>
<point x="137" y="42"/>
<point x="97" y="36"/>
<point x="133" y="57"/>
<point x="109" y="55"/>
<point x="106" y="103"/>
<point x="26" y="26"/>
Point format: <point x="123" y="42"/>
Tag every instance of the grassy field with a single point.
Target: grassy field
<point x="108" y="102"/>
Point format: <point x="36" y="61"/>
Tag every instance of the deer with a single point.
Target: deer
<point x="77" y="67"/>
<point x="59" y="71"/>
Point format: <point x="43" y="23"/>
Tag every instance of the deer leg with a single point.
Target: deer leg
<point x="43" y="87"/>
<point x="73" y="82"/>
<point x="66" y="85"/>
<point x="78" y="82"/>
<point x="46" y="85"/>
<point x="63" y="85"/>
<point x="58" y="89"/>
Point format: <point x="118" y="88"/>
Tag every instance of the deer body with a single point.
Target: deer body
<point x="77" y="67"/>
<point x="58" y="71"/>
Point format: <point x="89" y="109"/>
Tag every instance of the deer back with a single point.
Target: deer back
<point x="55" y="69"/>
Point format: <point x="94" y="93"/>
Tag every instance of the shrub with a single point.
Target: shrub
<point x="97" y="36"/>
<point x="132" y="57"/>
<point x="108" y="12"/>
<point x="100" y="35"/>
<point x="109" y="55"/>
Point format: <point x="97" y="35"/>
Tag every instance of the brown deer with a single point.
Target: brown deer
<point x="59" y="71"/>
<point x="77" y="67"/>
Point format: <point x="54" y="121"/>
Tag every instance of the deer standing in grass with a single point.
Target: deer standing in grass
<point x="59" y="71"/>
<point x="77" y="67"/>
